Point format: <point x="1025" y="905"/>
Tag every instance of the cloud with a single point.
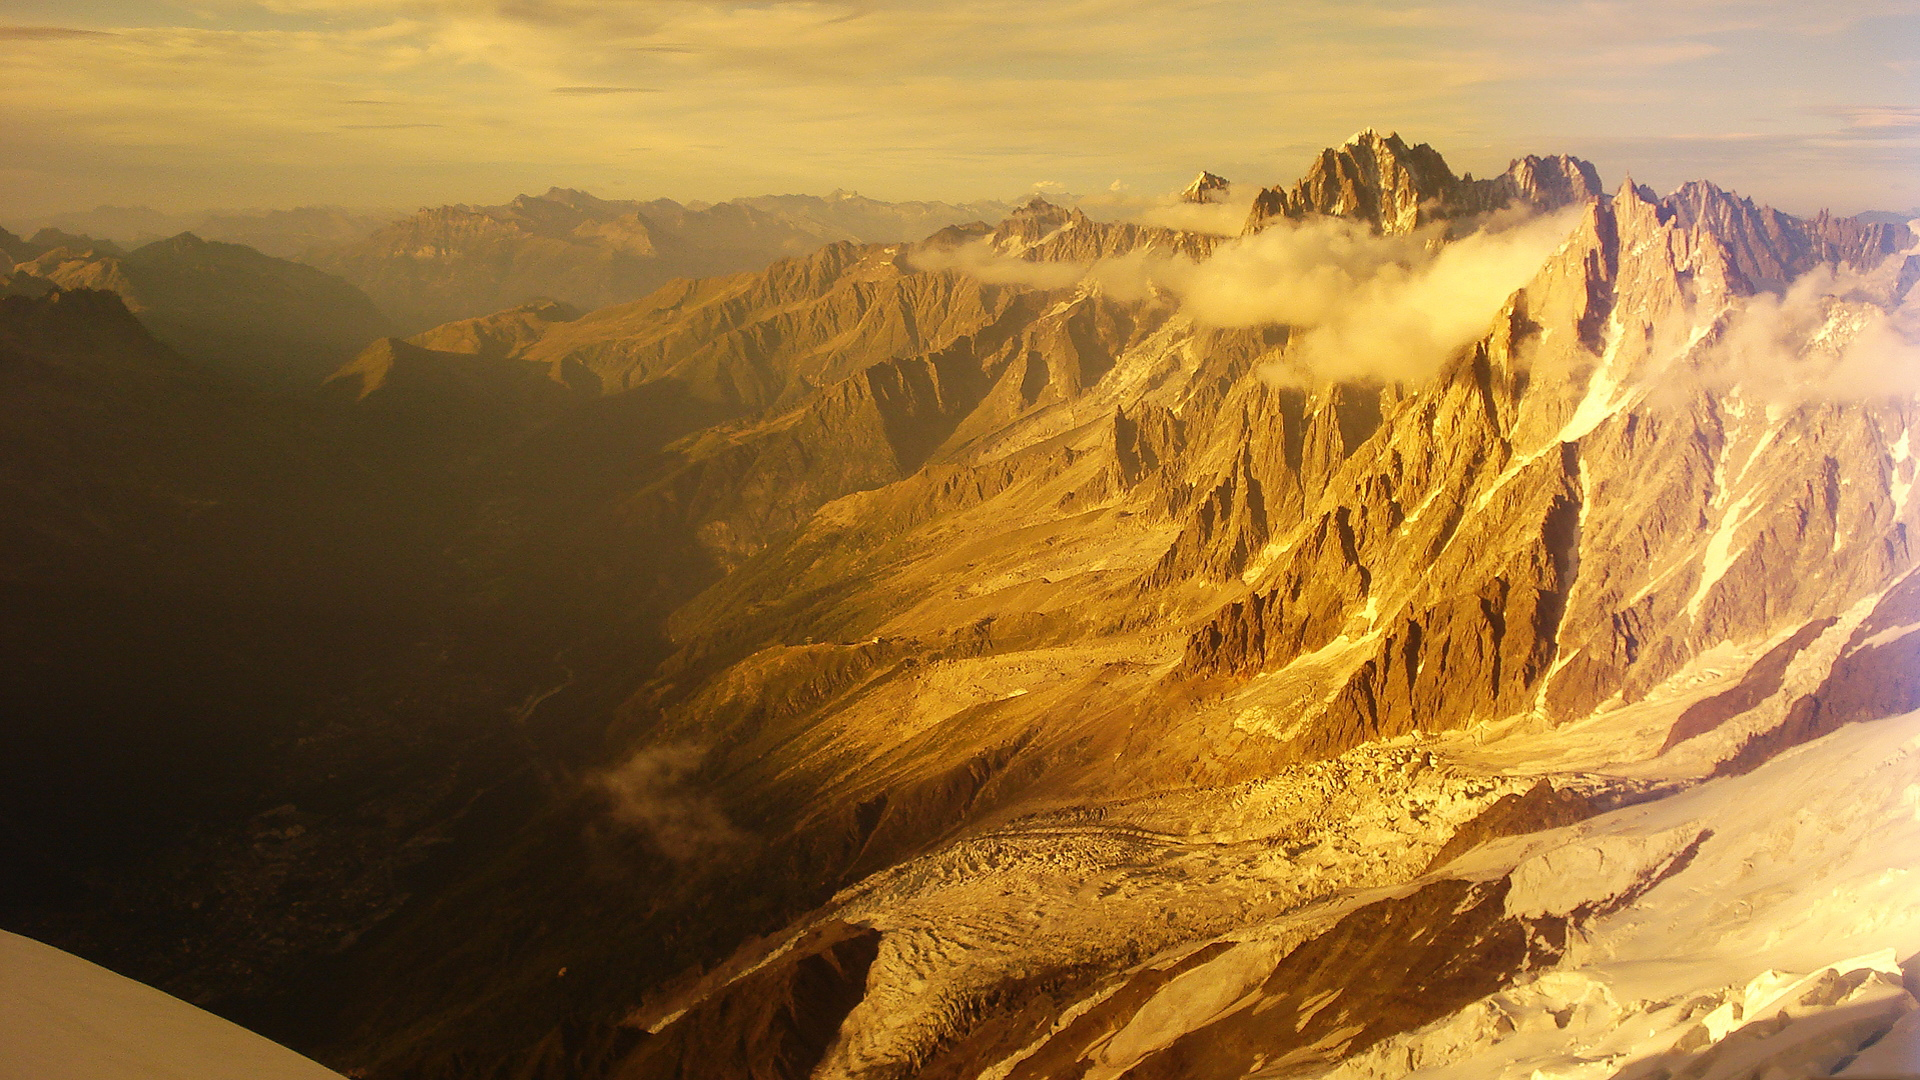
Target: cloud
<point x="46" y="33"/>
<point x="982" y="260"/>
<point x="1362" y="306"/>
<point x="1834" y="334"/>
<point x="1222" y="217"/>
<point x="655" y="792"/>
<point x="1879" y="116"/>
<point x="586" y="90"/>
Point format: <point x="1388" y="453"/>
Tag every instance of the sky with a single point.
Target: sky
<point x="226" y="103"/>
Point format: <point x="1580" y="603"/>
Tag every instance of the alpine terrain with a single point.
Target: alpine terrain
<point x="1389" y="624"/>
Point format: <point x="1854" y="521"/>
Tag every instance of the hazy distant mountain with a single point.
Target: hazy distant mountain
<point x="455" y="262"/>
<point x="283" y="233"/>
<point x="291" y="234"/>
<point x="1888" y="217"/>
<point x="126" y="225"/>
<point x="871" y="221"/>
<point x="263" y="318"/>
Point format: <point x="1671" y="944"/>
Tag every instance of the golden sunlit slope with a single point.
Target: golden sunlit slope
<point x="1070" y="644"/>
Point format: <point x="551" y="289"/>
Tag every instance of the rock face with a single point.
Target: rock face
<point x="1044" y="688"/>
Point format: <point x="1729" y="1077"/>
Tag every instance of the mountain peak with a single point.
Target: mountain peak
<point x="1372" y="136"/>
<point x="1207" y="188"/>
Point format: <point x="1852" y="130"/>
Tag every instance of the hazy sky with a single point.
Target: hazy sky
<point x="225" y="103"/>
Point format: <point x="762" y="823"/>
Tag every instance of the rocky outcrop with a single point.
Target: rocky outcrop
<point x="775" y="1024"/>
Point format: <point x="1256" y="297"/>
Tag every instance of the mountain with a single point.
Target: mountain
<point x="1206" y="188"/>
<point x="260" y="666"/>
<point x="292" y="234"/>
<point x="128" y="225"/>
<point x="265" y="318"/>
<point x="864" y="220"/>
<point x="1072" y="696"/>
<point x="976" y="657"/>
<point x="456" y="262"/>
<point x="281" y="233"/>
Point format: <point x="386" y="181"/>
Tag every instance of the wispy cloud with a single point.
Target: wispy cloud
<point x="1879" y="116"/>
<point x="1362" y="305"/>
<point x="46" y="33"/>
<point x="605" y="90"/>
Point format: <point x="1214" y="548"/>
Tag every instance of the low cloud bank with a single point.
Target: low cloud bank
<point x="1224" y="213"/>
<point x="1361" y="305"/>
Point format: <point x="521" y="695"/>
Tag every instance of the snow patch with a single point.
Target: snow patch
<point x="63" y="1018"/>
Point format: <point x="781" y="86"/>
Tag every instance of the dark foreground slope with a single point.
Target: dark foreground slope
<point x="267" y="658"/>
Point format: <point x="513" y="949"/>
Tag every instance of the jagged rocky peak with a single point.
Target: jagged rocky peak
<point x="1036" y="204"/>
<point x="1207" y="188"/>
<point x="1769" y="248"/>
<point x="1553" y="181"/>
<point x="1396" y="188"/>
<point x="1376" y="178"/>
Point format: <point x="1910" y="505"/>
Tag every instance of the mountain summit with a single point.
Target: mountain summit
<point x="1206" y="188"/>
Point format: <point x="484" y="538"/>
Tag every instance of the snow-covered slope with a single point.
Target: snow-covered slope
<point x="63" y="1018"/>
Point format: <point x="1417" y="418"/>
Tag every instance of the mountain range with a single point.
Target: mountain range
<point x="1051" y="648"/>
<point x="454" y="262"/>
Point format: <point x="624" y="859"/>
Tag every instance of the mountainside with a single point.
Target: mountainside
<point x="260" y="666"/>
<point x="1086" y="682"/>
<point x="1457" y="628"/>
<point x="264" y="319"/>
<point x="455" y="262"/>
